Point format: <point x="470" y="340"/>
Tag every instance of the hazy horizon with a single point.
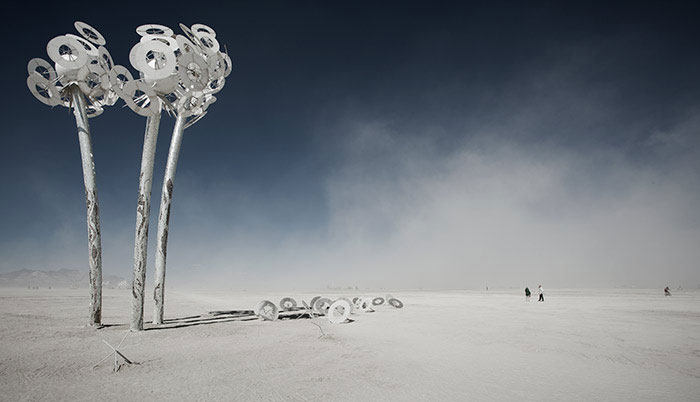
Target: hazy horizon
<point x="444" y="147"/>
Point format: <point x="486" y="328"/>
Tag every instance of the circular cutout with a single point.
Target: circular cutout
<point x="395" y="303"/>
<point x="90" y="33"/>
<point x="203" y="28"/>
<point x="153" y="58"/>
<point x="321" y="305"/>
<point x="67" y="52"/>
<point x="154" y="29"/>
<point x="339" y="311"/>
<point x="287" y="304"/>
<point x="267" y="310"/>
<point x="378" y="301"/>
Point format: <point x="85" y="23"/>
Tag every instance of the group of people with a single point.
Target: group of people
<point x="539" y="290"/>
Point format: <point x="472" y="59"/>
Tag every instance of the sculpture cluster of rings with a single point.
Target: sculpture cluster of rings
<point x="178" y="73"/>
<point x="338" y="311"/>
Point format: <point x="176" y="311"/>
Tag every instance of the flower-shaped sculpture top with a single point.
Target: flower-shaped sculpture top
<point x="80" y="62"/>
<point x="180" y="72"/>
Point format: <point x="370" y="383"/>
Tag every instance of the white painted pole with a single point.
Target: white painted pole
<point x="143" y="208"/>
<point x="93" y="211"/>
<point x="164" y="217"/>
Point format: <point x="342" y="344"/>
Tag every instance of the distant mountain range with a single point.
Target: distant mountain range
<point x="62" y="278"/>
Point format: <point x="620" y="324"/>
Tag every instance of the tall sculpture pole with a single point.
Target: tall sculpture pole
<point x="178" y="74"/>
<point x="164" y="218"/>
<point x="143" y="209"/>
<point x="80" y="81"/>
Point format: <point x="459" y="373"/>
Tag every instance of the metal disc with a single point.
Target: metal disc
<point x="188" y="33"/>
<point x="378" y="301"/>
<point x="67" y="52"/>
<point x="321" y="305"/>
<point x="367" y="306"/>
<point x="352" y="305"/>
<point x="208" y="43"/>
<point x="339" y="311"/>
<point x="287" y="303"/>
<point x="395" y="303"/>
<point x="168" y="40"/>
<point x="89" y="47"/>
<point x="185" y="45"/>
<point x="193" y="71"/>
<point x="313" y="301"/>
<point x="119" y="76"/>
<point x="41" y="67"/>
<point x="215" y="86"/>
<point x="203" y="28"/>
<point x="154" y="59"/>
<point x="104" y="58"/>
<point x="267" y="310"/>
<point x="154" y="29"/>
<point x="141" y="98"/>
<point x="90" y="79"/>
<point x="43" y="90"/>
<point x="90" y="33"/>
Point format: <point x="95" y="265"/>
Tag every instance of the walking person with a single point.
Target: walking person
<point x="541" y="291"/>
<point x="527" y="294"/>
<point x="667" y="291"/>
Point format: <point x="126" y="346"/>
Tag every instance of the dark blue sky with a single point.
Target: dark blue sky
<point x="331" y="105"/>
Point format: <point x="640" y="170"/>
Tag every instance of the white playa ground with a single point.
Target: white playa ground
<point x="457" y="345"/>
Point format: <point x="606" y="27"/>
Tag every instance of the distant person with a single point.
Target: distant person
<point x="541" y="291"/>
<point x="527" y="294"/>
<point x="667" y="291"/>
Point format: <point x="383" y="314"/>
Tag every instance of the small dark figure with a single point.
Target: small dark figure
<point x="527" y="294"/>
<point x="541" y="291"/>
<point x="667" y="291"/>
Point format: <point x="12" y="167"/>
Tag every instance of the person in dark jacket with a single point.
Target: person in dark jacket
<point x="527" y="294"/>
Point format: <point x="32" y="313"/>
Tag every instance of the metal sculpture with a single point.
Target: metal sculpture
<point x="179" y="74"/>
<point x="80" y="80"/>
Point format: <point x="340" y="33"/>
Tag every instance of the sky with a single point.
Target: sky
<point x="382" y="144"/>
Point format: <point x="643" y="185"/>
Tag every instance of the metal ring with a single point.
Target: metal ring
<point x="378" y="301"/>
<point x="154" y="29"/>
<point x="41" y="67"/>
<point x="165" y="65"/>
<point x="104" y="58"/>
<point x="229" y="64"/>
<point x="207" y="42"/>
<point x="267" y="310"/>
<point x="145" y="104"/>
<point x="188" y="32"/>
<point x="203" y="28"/>
<point x="321" y="305"/>
<point x="395" y="303"/>
<point x="288" y="303"/>
<point x="89" y="47"/>
<point x="115" y="78"/>
<point x="76" y="56"/>
<point x="90" y="33"/>
<point x="49" y="94"/>
<point x="168" y="40"/>
<point x="193" y="71"/>
<point x="339" y="311"/>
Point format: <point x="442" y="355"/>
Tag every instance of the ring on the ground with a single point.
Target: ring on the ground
<point x="287" y="303"/>
<point x="267" y="310"/>
<point x="321" y="305"/>
<point x="395" y="303"/>
<point x="378" y="301"/>
<point x="339" y="311"/>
